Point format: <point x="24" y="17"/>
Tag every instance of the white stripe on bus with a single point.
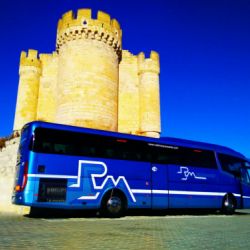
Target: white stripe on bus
<point x="53" y="176"/>
<point x="94" y="197"/>
<point x="140" y="191"/>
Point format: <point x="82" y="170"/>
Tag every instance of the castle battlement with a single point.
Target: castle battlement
<point x="30" y="59"/>
<point x="128" y="57"/>
<point x="47" y="57"/>
<point x="151" y="64"/>
<point x="83" y="26"/>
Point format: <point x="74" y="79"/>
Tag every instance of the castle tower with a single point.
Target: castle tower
<point x="128" y="114"/>
<point x="89" y="52"/>
<point x="149" y="94"/>
<point x="29" y="74"/>
<point x="46" y="106"/>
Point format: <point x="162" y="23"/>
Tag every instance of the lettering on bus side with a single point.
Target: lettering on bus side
<point x="98" y="171"/>
<point x="186" y="173"/>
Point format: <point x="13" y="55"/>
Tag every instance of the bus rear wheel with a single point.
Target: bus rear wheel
<point x="113" y="204"/>
<point x="228" y="205"/>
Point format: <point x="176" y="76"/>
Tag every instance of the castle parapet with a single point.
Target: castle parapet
<point x="82" y="25"/>
<point x="30" y="59"/>
<point x="151" y="64"/>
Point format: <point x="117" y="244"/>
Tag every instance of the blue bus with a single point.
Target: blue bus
<point x="66" y="167"/>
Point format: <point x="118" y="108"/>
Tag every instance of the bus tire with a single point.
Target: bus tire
<point x="228" y="204"/>
<point x="114" y="204"/>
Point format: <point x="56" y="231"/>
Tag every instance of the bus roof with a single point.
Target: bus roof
<point x="163" y="140"/>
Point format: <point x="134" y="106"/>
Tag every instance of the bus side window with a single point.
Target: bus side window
<point x="60" y="148"/>
<point x="231" y="164"/>
<point x="109" y="153"/>
<point x="47" y="147"/>
<point x="183" y="156"/>
<point x="245" y="178"/>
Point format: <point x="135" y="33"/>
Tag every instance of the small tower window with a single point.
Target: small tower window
<point x="84" y="22"/>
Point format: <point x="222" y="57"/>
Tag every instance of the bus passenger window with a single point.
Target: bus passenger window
<point x="47" y="147"/>
<point x="231" y="164"/>
<point x="245" y="178"/>
<point x="60" y="149"/>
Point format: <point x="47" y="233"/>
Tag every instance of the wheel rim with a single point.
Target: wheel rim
<point x="114" y="205"/>
<point x="228" y="205"/>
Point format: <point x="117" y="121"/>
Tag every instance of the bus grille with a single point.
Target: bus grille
<point x="52" y="190"/>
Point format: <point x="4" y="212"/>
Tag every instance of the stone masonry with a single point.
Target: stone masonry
<point x="8" y="157"/>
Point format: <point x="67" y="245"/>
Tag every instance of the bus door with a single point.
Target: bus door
<point x="159" y="173"/>
<point x="245" y="187"/>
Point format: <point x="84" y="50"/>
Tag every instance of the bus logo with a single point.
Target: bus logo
<point x="99" y="171"/>
<point x="184" y="171"/>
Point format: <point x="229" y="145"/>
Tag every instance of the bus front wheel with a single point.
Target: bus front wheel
<point x="228" y="205"/>
<point x="113" y="204"/>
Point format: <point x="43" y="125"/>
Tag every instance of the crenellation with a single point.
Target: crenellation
<point x="84" y="14"/>
<point x="141" y="57"/>
<point x="154" y="56"/>
<point x="150" y="64"/>
<point x="103" y="17"/>
<point x="115" y="24"/>
<point x="70" y="28"/>
<point x="30" y="59"/>
<point x="32" y="54"/>
<point x="68" y="17"/>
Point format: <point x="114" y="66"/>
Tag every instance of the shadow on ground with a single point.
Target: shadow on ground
<point x="64" y="214"/>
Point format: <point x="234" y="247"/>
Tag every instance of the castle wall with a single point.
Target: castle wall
<point x="46" y="107"/>
<point x="29" y="77"/>
<point x="128" y="114"/>
<point x="89" y="54"/>
<point x="149" y="93"/>
<point x="8" y="157"/>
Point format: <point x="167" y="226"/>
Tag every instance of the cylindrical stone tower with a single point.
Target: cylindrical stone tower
<point x="89" y="52"/>
<point x="29" y="75"/>
<point x="149" y="94"/>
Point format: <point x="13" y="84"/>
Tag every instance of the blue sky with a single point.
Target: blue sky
<point x="204" y="50"/>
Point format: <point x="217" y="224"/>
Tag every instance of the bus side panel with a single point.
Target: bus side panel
<point x="159" y="186"/>
<point x="192" y="187"/>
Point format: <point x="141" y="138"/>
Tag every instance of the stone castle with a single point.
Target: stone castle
<point x="89" y="81"/>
